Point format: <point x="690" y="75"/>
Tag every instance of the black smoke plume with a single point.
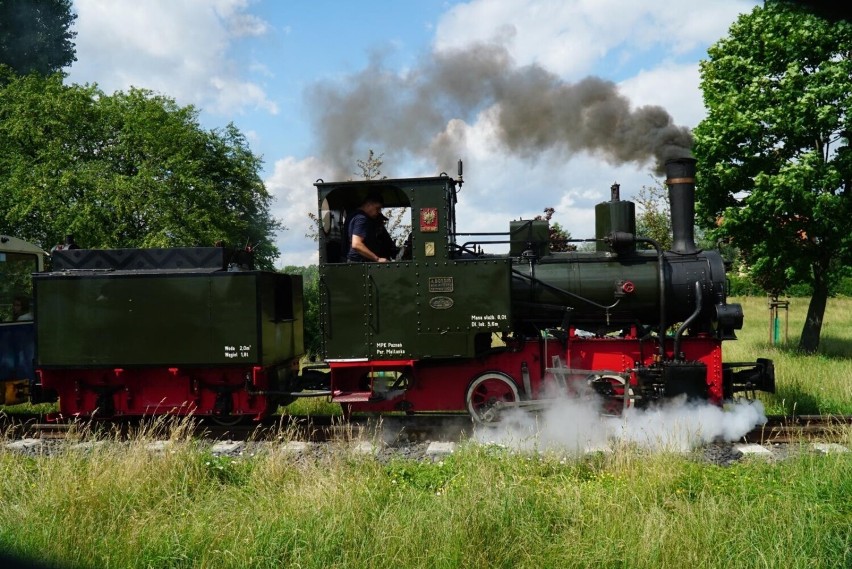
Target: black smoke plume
<point x="532" y="110"/>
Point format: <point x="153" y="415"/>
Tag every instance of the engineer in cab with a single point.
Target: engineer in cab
<point x="368" y="238"/>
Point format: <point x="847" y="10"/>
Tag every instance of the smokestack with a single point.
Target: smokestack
<point x="680" y="178"/>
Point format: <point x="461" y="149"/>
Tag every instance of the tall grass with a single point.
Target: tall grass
<point x="123" y="505"/>
<point x="806" y="384"/>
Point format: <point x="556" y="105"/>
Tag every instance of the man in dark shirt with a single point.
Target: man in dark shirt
<point x="363" y="227"/>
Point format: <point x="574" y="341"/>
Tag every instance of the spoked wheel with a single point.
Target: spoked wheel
<point x="487" y="394"/>
<point x="611" y="389"/>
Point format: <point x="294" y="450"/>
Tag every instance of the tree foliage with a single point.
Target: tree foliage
<point x="774" y="156"/>
<point x="371" y="168"/>
<point x="124" y="170"/>
<point x="36" y="35"/>
<point x="311" y="300"/>
<point x="654" y="219"/>
<point x="557" y="236"/>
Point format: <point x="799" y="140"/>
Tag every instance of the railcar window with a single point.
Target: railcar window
<point x="16" y="286"/>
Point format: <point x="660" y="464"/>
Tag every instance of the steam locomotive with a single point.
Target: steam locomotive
<point x="445" y="328"/>
<point x="451" y="328"/>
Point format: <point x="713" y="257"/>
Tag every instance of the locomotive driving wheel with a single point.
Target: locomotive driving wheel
<point x="611" y="388"/>
<point x="487" y="394"/>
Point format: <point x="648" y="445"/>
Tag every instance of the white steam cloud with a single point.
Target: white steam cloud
<point x="575" y="426"/>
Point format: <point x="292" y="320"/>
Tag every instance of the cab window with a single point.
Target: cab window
<point x="16" y="286"/>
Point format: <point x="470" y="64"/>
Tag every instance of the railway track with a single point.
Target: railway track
<point x="800" y="428"/>
<point x="418" y="428"/>
<point x="390" y="429"/>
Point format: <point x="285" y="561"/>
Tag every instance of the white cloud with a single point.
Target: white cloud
<point x="291" y="184"/>
<point x="571" y="37"/>
<point x="239" y="24"/>
<point x="182" y="49"/>
<point x="675" y="87"/>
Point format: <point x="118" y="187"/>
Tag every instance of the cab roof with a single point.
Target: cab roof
<point x="10" y="244"/>
<point x="394" y="191"/>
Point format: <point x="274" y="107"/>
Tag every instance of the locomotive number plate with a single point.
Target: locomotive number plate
<point x="440" y="284"/>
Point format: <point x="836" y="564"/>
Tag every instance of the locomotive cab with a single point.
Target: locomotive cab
<point x="431" y="303"/>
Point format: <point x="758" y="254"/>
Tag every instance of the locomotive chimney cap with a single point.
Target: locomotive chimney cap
<point x="615" y="194"/>
<point x="680" y="170"/>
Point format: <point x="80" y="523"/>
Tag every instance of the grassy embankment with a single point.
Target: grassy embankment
<point x="123" y="505"/>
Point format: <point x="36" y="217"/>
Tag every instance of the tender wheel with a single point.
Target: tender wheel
<point x="611" y="389"/>
<point x="487" y="394"/>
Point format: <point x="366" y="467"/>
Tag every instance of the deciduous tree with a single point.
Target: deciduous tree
<point x="654" y="218"/>
<point x="371" y="168"/>
<point x="130" y="169"/>
<point x="775" y="164"/>
<point x="36" y="35"/>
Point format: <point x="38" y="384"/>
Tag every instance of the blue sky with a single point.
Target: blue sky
<point x="270" y="67"/>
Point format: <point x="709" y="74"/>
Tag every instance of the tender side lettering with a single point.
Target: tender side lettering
<point x="238" y="351"/>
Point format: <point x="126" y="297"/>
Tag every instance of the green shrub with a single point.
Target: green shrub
<point x="843" y="288"/>
<point x="743" y="285"/>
